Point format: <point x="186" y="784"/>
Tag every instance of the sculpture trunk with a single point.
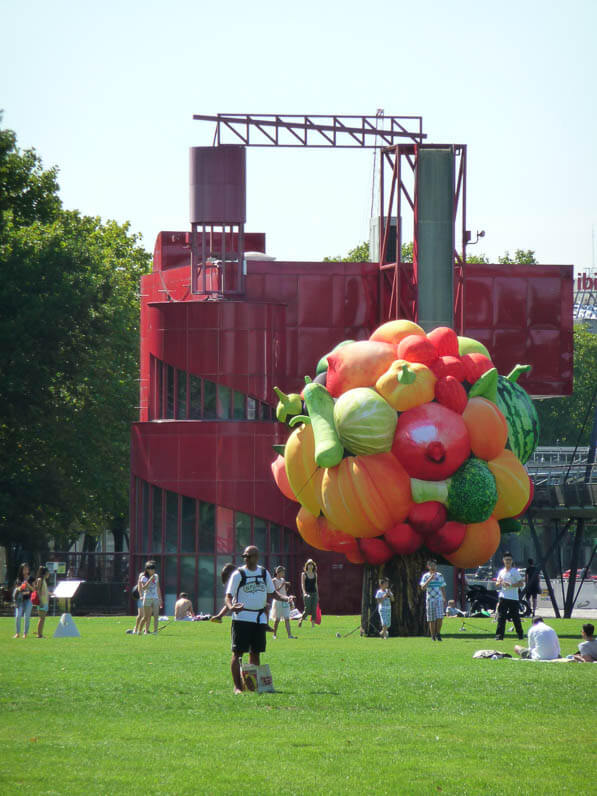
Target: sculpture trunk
<point x="408" y="608"/>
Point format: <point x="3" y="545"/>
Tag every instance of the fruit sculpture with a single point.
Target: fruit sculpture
<point x="408" y="440"/>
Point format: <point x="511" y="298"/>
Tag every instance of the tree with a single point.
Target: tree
<point x="68" y="360"/>
<point x="360" y="254"/>
<point x="521" y="256"/>
<point x="569" y="421"/>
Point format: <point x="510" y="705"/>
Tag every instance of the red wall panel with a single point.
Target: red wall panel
<point x="294" y="313"/>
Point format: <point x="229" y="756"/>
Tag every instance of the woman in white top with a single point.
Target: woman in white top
<point x="149" y="589"/>
<point x="281" y="610"/>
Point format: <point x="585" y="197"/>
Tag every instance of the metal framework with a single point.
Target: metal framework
<point x="399" y="278"/>
<point x="218" y="274"/>
<point x="314" y="130"/>
<point x="585" y="305"/>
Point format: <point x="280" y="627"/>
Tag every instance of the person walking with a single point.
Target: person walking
<point x="434" y="585"/>
<point x="41" y="587"/>
<point x="281" y="610"/>
<point x="24" y="585"/>
<point x="509" y="580"/>
<point x="246" y="599"/>
<point x="532" y="584"/>
<point x="149" y="589"/>
<point x="310" y="588"/>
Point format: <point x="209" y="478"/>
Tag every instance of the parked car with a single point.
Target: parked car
<point x="580" y="573"/>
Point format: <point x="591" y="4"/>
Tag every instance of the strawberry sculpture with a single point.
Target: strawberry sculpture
<point x="408" y="440"/>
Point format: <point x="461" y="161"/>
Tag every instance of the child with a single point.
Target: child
<point x="384" y="598"/>
<point x="41" y="586"/>
<point x="225" y="574"/>
<point x="451" y="609"/>
<point x="281" y="610"/>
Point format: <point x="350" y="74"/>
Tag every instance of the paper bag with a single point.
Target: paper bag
<point x="257" y="678"/>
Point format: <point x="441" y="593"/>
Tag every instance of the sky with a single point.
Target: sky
<point x="106" y="91"/>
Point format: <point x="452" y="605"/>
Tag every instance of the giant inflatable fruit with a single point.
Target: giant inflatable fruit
<point x="408" y="440"/>
<point x="431" y="442"/>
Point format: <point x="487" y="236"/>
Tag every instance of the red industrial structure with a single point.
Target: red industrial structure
<point x="220" y="329"/>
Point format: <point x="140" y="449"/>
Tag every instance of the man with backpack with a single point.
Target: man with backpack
<point x="246" y="598"/>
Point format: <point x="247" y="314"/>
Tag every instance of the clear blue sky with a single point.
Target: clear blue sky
<point x="107" y="91"/>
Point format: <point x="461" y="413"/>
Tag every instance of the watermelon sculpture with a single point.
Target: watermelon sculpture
<point x="408" y="440"/>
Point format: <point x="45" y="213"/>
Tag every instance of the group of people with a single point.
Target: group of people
<point x="29" y="591"/>
<point x="149" y="596"/>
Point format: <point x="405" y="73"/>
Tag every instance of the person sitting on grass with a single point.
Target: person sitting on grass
<point x="225" y="574"/>
<point x="544" y="644"/>
<point x="587" y="649"/>
<point x="183" y="608"/>
<point x="451" y="609"/>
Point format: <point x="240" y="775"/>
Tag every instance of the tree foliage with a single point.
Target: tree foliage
<point x="68" y="359"/>
<point x="520" y="256"/>
<point x="568" y="421"/>
<point x="360" y="254"/>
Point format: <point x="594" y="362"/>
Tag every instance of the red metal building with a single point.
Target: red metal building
<point x="219" y="331"/>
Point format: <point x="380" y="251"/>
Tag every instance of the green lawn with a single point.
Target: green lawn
<point x="112" y="713"/>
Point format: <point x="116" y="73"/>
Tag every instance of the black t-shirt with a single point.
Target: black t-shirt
<point x="532" y="573"/>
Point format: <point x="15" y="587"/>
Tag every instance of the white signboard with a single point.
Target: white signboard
<point x="66" y="589"/>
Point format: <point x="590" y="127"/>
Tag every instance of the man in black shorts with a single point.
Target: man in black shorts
<point x="246" y="598"/>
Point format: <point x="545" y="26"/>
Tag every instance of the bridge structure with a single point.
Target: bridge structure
<point x="565" y="484"/>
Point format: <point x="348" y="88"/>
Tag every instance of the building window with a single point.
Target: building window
<point x="156" y="536"/>
<point x="171" y="522"/>
<point x="242" y="527"/>
<point x="196" y="399"/>
<point x="209" y="400"/>
<point x="169" y="392"/>
<point x="206" y="527"/>
<point x="188" y="523"/>
<point x="223" y="407"/>
<point x="239" y="411"/>
<point x="181" y="395"/>
<point x="176" y="394"/>
<point x="191" y="541"/>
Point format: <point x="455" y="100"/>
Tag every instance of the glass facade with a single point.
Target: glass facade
<point x="177" y="395"/>
<point x="191" y="540"/>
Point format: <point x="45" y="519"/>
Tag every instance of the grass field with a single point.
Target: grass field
<point x="112" y="713"/>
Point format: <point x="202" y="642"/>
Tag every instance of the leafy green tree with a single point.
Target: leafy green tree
<point x="68" y="361"/>
<point x="521" y="256"/>
<point x="568" y="421"/>
<point x="360" y="254"/>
